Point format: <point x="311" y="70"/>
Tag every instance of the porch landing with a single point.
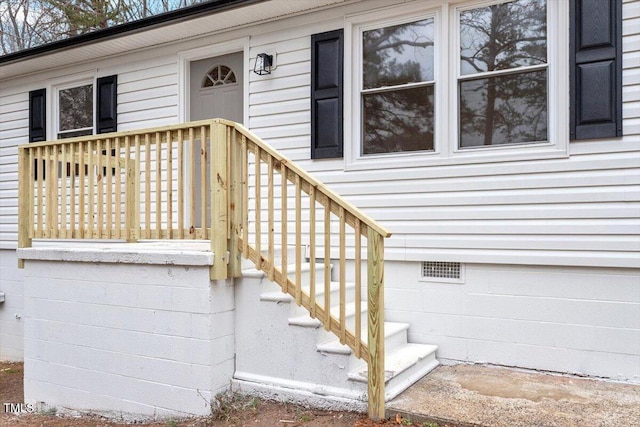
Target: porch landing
<point x="163" y="252"/>
<point x="480" y="395"/>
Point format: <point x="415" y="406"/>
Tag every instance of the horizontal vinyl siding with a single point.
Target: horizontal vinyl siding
<point x="279" y="107"/>
<point x="148" y="94"/>
<point x="631" y="68"/>
<point x="584" y="210"/>
<point x="14" y="130"/>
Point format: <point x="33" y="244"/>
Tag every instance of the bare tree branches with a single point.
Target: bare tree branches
<point x="28" y="23"/>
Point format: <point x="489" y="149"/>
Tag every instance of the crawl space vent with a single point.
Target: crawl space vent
<point x="442" y="271"/>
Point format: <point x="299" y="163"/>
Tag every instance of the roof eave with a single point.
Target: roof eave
<point x="133" y="27"/>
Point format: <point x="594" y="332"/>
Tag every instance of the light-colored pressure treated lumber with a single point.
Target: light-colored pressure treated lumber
<point x="219" y="200"/>
<point x="25" y="188"/>
<point x="375" y="280"/>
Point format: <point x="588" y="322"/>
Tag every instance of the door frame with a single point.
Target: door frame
<point x="218" y="49"/>
<point x="184" y="84"/>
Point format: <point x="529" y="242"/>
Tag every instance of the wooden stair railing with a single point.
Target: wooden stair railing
<point x="215" y="180"/>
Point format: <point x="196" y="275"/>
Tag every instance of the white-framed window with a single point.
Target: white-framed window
<point x="73" y="107"/>
<point x="502" y="74"/>
<point x="455" y="82"/>
<point x="397" y="87"/>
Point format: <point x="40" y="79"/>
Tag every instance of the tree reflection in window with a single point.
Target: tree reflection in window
<point x="218" y="76"/>
<point x="75" y="111"/>
<point x="503" y="74"/>
<point x="398" y="88"/>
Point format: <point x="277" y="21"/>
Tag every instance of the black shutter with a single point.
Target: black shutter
<point x="327" y="64"/>
<point x="37" y="115"/>
<point x="107" y="108"/>
<point x="596" y="69"/>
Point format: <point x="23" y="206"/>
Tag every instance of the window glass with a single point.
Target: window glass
<point x="398" y="54"/>
<point x="509" y="109"/>
<point x="398" y="88"/>
<point x="75" y="110"/>
<point x="507" y="102"/>
<point x="503" y="36"/>
<point x="398" y="120"/>
<point x="218" y="76"/>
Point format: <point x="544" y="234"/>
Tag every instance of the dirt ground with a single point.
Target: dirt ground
<point x="234" y="411"/>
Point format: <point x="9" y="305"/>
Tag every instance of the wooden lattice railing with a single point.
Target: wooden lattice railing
<point x="215" y="180"/>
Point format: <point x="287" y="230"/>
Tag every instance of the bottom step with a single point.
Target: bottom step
<point x="402" y="367"/>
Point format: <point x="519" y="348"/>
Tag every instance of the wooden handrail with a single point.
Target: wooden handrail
<point x="319" y="197"/>
<point x="133" y="185"/>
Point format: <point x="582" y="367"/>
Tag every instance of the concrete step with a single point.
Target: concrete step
<point x="395" y="335"/>
<point x="271" y="291"/>
<point x="299" y="311"/>
<point x="301" y="317"/>
<point x="402" y="367"/>
<point x="277" y="253"/>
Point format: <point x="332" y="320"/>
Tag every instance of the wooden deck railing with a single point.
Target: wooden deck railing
<point x="215" y="180"/>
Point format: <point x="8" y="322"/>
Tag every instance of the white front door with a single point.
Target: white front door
<point x="215" y="92"/>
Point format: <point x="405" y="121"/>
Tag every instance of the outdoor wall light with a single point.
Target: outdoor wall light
<point x="263" y="64"/>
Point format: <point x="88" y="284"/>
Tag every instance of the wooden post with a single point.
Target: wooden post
<point x="236" y="176"/>
<point x="375" y="290"/>
<point x="25" y="194"/>
<point x="219" y="197"/>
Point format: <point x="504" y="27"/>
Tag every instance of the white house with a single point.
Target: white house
<point x="499" y="143"/>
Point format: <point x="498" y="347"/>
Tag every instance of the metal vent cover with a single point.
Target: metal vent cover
<point x="442" y="271"/>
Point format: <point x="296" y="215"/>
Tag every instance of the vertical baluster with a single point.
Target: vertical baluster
<point x="235" y="170"/>
<point x="107" y="171"/>
<point x="358" y="290"/>
<point x="245" y="197"/>
<point x="192" y="184"/>
<point x="147" y="186"/>
<point x="298" y="240"/>
<point x="91" y="187"/>
<point x="258" y="172"/>
<point x="40" y="178"/>
<point x="129" y="192"/>
<point x="343" y="296"/>
<point x="158" y="222"/>
<point x="271" y="220"/>
<point x="100" y="187"/>
<point x="62" y="225"/>
<point x="169" y="185"/>
<point x="138" y="200"/>
<point x="227" y="141"/>
<point x="72" y="186"/>
<point x="180" y="184"/>
<point x="118" y="188"/>
<point x="55" y="186"/>
<point x="32" y="185"/>
<point x="285" y="281"/>
<point x="82" y="187"/>
<point x="204" y="182"/>
<point x="47" y="171"/>
<point x="312" y="250"/>
<point x="327" y="265"/>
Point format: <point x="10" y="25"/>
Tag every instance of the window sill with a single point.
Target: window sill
<point x="469" y="156"/>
